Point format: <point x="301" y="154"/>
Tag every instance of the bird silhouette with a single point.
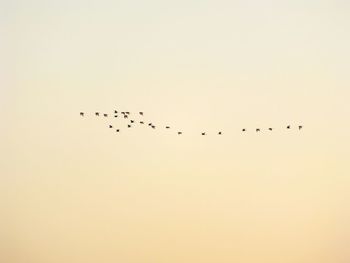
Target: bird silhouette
<point x="115" y="116"/>
<point x="153" y="127"/>
<point x="203" y="133"/>
<point x="243" y="130"/>
<point x="123" y="112"/>
<point x="125" y="116"/>
<point x="300" y="127"/>
<point x="150" y="124"/>
<point x="288" y="127"/>
<point x="110" y="126"/>
<point x="167" y="127"/>
<point x="115" y="111"/>
<point x="141" y="113"/>
<point x="127" y="112"/>
<point x="82" y="114"/>
<point x="129" y="126"/>
<point x="117" y="130"/>
<point x="270" y="129"/>
<point x="257" y="130"/>
<point x="179" y="133"/>
<point x="105" y="115"/>
<point x="97" y="113"/>
<point x="141" y="122"/>
<point x="220" y="133"/>
<point x="132" y="121"/>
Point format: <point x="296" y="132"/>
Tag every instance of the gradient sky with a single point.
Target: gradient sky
<point x="73" y="191"/>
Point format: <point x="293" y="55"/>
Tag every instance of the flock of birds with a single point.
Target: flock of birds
<point x="132" y="122"/>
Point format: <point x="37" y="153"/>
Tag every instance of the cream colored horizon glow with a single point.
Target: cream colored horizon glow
<point x="74" y="191"/>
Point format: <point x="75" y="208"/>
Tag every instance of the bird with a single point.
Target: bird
<point x="288" y="127"/>
<point x="110" y="126"/>
<point x="257" y="130"/>
<point x="300" y="127"/>
<point x="129" y="126"/>
<point x="125" y="116"/>
<point x="243" y="130"/>
<point x="141" y="113"/>
<point x="150" y="124"/>
<point x="123" y="112"/>
<point x="153" y="127"/>
<point x="270" y="129"/>
<point x="97" y="113"/>
<point x="115" y="116"/>
<point x="115" y="111"/>
<point x="220" y="133"/>
<point x="167" y="127"/>
<point x="203" y="133"/>
<point x="82" y="114"/>
<point x="132" y="121"/>
<point x="141" y="122"/>
<point x="179" y="133"/>
<point x="117" y="130"/>
<point x="105" y="115"/>
<point x="127" y="112"/>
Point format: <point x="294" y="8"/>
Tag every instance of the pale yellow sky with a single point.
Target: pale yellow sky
<point x="71" y="190"/>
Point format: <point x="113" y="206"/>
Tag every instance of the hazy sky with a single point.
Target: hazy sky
<point x="72" y="190"/>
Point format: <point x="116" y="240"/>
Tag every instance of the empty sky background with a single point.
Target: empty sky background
<point x="71" y="190"/>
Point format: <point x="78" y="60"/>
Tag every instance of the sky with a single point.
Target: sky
<point x="72" y="190"/>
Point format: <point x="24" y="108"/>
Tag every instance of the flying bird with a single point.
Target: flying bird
<point x="115" y="116"/>
<point x="288" y="127"/>
<point x="97" y="113"/>
<point x="153" y="127"/>
<point x="149" y="124"/>
<point x="125" y="116"/>
<point x="243" y="130"/>
<point x="115" y="111"/>
<point x="141" y="113"/>
<point x="117" y="130"/>
<point x="129" y="126"/>
<point x="203" y="133"/>
<point x="110" y="126"/>
<point x="167" y="127"/>
<point x="132" y="121"/>
<point x="300" y="127"/>
<point x="82" y="114"/>
<point x="179" y="133"/>
<point x="127" y="112"/>
<point x="141" y="122"/>
<point x="257" y="130"/>
<point x="220" y="133"/>
<point x="105" y="115"/>
<point x="270" y="129"/>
